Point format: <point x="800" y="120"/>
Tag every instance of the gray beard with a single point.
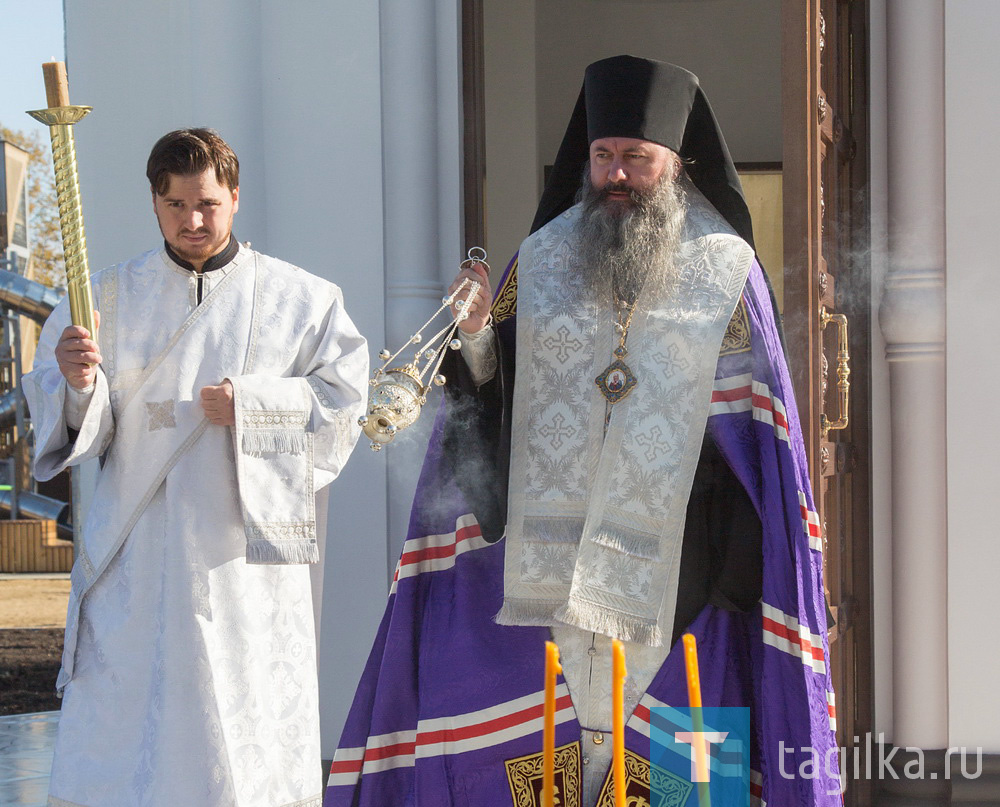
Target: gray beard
<point x="628" y="247"/>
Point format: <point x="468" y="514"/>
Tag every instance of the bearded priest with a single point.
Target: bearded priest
<point x="619" y="458"/>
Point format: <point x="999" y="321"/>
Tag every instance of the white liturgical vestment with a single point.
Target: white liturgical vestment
<point x="189" y="670"/>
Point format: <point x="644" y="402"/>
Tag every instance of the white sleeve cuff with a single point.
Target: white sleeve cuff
<point x="77" y="401"/>
<point x="479" y="352"/>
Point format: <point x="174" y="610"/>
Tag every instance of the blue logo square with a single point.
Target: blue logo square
<point x="675" y="733"/>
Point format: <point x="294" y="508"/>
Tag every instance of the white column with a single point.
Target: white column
<point x="973" y="126"/>
<point x="421" y="158"/>
<point x="881" y="410"/>
<point x="320" y="127"/>
<point x="912" y="321"/>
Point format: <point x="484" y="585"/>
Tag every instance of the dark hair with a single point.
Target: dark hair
<point x="191" y="151"/>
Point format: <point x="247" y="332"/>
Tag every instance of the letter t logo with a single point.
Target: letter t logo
<point x="705" y="740"/>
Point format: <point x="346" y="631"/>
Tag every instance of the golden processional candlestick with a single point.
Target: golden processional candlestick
<point x="399" y="393"/>
<point x="60" y="117"/>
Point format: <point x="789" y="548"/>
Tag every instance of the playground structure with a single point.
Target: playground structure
<point x="24" y="306"/>
<point x="22" y="297"/>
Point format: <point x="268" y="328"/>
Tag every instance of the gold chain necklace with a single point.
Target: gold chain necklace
<point x="618" y="380"/>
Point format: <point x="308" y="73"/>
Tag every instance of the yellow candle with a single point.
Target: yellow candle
<point x="618" y="673"/>
<point x="698" y="723"/>
<point x="56" y="86"/>
<point x="552" y="669"/>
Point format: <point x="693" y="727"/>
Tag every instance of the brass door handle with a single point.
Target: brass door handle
<point x="843" y="372"/>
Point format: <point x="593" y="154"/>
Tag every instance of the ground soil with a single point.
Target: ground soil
<point x="32" y="617"/>
<point x="29" y="664"/>
<point x="33" y="602"/>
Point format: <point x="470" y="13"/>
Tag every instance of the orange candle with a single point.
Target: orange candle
<point x="552" y="669"/>
<point x="698" y="722"/>
<point x="618" y="673"/>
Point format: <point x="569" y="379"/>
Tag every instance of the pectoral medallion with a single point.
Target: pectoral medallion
<point x="617" y="380"/>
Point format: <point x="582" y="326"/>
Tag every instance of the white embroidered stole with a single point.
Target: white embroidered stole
<point x="596" y="518"/>
<point x="159" y="416"/>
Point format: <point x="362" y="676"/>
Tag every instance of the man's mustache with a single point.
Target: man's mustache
<point x="635" y="196"/>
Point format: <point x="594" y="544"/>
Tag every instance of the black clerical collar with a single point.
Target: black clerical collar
<point x="217" y="261"/>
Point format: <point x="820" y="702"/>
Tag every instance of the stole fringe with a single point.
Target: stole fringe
<point x="526" y="612"/>
<point x="282" y="552"/>
<point x="630" y="543"/>
<point x="615" y="624"/>
<point x="259" y="442"/>
<point x="552" y="529"/>
<point x="315" y="801"/>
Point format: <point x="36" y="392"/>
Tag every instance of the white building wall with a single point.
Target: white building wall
<point x="972" y="130"/>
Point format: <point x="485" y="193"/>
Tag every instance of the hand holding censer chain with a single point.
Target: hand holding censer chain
<point x="399" y="393"/>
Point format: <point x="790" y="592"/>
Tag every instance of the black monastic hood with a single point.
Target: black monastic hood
<point x="627" y="96"/>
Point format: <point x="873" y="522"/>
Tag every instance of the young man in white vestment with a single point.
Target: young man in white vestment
<point x="221" y="390"/>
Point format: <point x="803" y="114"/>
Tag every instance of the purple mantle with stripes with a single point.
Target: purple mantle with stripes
<point x="448" y="696"/>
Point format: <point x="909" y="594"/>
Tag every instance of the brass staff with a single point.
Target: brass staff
<point x="60" y="117"/>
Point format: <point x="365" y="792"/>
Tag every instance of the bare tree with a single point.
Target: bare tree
<point x="48" y="266"/>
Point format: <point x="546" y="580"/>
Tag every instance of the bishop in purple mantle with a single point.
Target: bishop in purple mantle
<point x="722" y="536"/>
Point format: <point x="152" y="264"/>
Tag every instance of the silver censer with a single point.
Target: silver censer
<point x="399" y="393"/>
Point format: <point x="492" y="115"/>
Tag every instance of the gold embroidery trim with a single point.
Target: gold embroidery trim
<point x="505" y="302"/>
<point x="674" y="789"/>
<point x="737" y="338"/>
<point x="524" y="775"/>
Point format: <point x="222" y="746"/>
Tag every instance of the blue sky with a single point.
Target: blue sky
<point x="31" y="32"/>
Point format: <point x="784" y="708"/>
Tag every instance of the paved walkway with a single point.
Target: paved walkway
<point x="26" y="743"/>
<point x="26" y="757"/>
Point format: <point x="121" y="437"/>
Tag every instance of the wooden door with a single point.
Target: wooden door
<point x="827" y="291"/>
